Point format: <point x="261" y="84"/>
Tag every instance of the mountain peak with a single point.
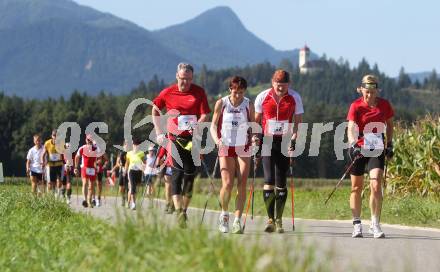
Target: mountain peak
<point x="219" y="16"/>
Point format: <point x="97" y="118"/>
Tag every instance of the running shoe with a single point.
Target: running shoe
<point x="181" y="219"/>
<point x="172" y="209"/>
<point x="93" y="202"/>
<point x="98" y="203"/>
<point x="357" y="231"/>
<point x="68" y="201"/>
<point x="376" y="231"/>
<point x="270" y="226"/>
<point x="236" y="227"/>
<point x="85" y="204"/>
<point x="279" y="225"/>
<point x="133" y="206"/>
<point x="223" y="223"/>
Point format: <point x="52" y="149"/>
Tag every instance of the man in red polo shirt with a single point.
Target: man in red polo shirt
<point x="188" y="105"/>
<point x="275" y="109"/>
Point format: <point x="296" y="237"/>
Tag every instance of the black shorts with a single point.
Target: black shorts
<point x="123" y="181"/>
<point x="182" y="178"/>
<point x="367" y="163"/>
<point x="55" y="173"/>
<point x="276" y="166"/>
<point x="148" y="179"/>
<point x="135" y="177"/>
<point x="39" y="176"/>
<point x="100" y="175"/>
<point x="68" y="174"/>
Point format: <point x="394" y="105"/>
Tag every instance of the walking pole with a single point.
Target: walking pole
<point x="118" y="187"/>
<point x="77" y="192"/>
<point x="292" y="185"/>
<point x="251" y="193"/>
<point x="148" y="179"/>
<point x="252" y="186"/>
<point x="384" y="185"/>
<point x="211" y="191"/>
<point x="342" y="178"/>
<point x="251" y="196"/>
<point x="105" y="187"/>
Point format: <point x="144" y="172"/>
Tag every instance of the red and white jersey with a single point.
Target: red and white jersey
<point x="86" y="152"/>
<point x="190" y="104"/>
<point x="233" y="126"/>
<point x="276" y="116"/>
<point x="362" y="115"/>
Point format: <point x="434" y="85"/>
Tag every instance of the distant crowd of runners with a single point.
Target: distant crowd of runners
<point x="278" y="110"/>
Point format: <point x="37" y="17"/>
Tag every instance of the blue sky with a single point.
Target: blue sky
<point x="390" y="33"/>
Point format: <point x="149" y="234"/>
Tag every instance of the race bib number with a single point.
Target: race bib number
<point x="54" y="157"/>
<point x="234" y="121"/>
<point x="234" y="129"/>
<point x="186" y="122"/>
<point x="373" y="141"/>
<point x="90" y="171"/>
<point x="277" y="127"/>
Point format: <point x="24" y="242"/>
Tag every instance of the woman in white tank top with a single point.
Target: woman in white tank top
<point x="230" y="131"/>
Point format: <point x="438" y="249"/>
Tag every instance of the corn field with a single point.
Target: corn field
<point x="415" y="167"/>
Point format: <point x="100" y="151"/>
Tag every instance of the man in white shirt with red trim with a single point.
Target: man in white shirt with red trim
<point x="275" y="109"/>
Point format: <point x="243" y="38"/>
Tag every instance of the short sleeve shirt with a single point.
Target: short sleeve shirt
<point x="34" y="155"/>
<point x="362" y="114"/>
<point x="191" y="103"/>
<point x="281" y="111"/>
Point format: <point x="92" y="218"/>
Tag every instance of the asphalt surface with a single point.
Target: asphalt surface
<point x="403" y="249"/>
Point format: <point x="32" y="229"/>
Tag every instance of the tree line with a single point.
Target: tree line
<point x="326" y="96"/>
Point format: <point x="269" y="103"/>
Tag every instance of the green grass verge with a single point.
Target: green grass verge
<point x="310" y="194"/>
<point x="42" y="234"/>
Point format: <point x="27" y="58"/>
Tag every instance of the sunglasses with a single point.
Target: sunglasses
<point x="369" y="86"/>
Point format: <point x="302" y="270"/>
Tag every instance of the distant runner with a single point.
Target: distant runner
<point x="119" y="169"/>
<point x="134" y="166"/>
<point x="191" y="103"/>
<point x="275" y="109"/>
<point x="101" y="166"/>
<point x="34" y="165"/>
<point x="150" y="170"/>
<point x="54" y="162"/>
<point x="68" y="174"/>
<point x="164" y="162"/>
<point x="365" y="111"/>
<point x="87" y="169"/>
<point x="230" y="131"/>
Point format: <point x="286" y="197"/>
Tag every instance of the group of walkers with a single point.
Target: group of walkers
<point x="50" y="170"/>
<point x="278" y="110"/>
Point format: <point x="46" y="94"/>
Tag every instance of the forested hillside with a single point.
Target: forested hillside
<point x="326" y="96"/>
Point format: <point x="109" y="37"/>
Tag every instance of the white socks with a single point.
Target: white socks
<point x="374" y="220"/>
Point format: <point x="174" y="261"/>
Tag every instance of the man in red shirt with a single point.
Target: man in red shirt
<point x="275" y="109"/>
<point x="88" y="154"/>
<point x="187" y="104"/>
<point x="370" y="118"/>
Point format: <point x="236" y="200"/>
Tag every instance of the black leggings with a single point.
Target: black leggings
<point x="183" y="175"/>
<point x="276" y="166"/>
<point x="135" y="177"/>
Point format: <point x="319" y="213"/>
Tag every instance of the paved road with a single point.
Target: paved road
<point x="404" y="249"/>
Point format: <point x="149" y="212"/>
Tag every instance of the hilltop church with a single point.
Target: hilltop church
<point x="307" y="66"/>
